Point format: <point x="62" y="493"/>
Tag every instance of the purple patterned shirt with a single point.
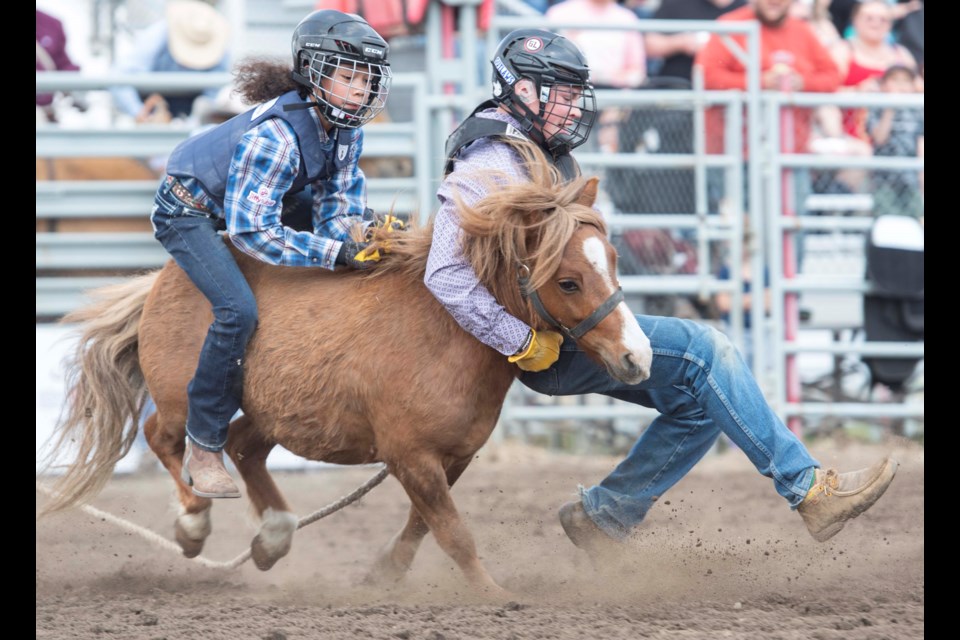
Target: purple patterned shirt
<point x="449" y="276"/>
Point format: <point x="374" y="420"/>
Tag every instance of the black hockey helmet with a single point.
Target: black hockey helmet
<point x="328" y="40"/>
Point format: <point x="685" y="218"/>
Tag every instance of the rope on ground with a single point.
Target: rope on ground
<point x="163" y="543"/>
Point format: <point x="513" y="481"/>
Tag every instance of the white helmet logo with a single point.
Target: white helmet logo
<point x="533" y="44"/>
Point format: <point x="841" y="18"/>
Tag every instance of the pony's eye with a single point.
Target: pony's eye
<point x="569" y="286"/>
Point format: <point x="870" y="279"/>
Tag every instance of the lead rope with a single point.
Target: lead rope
<point x="162" y="542"/>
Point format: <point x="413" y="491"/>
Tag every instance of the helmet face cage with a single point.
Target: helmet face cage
<point x="555" y="104"/>
<point x="337" y="72"/>
<point x="560" y="73"/>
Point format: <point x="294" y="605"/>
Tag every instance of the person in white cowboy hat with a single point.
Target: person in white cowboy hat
<point x="193" y="36"/>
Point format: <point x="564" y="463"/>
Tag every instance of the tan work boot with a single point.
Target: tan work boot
<point x="204" y="471"/>
<point x="585" y="534"/>
<point x="835" y="497"/>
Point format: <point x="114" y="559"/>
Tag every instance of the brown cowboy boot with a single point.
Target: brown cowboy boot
<point x="204" y="471"/>
<point x="835" y="497"/>
<point x="585" y="534"/>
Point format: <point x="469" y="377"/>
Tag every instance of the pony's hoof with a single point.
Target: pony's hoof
<point x="378" y="580"/>
<point x="384" y="574"/>
<point x="495" y="594"/>
<point x="191" y="547"/>
<point x="262" y="557"/>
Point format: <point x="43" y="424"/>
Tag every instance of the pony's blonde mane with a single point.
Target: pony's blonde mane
<point x="522" y="222"/>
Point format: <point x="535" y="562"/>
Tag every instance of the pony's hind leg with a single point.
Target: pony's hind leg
<point x="249" y="450"/>
<point x="166" y="439"/>
<point x="425" y="482"/>
<point x="395" y="558"/>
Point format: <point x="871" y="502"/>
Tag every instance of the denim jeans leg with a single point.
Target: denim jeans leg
<point x="702" y="387"/>
<point x="214" y="393"/>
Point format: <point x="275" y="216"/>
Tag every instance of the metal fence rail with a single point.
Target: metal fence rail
<point x="58" y="199"/>
<point x="421" y="141"/>
<point x="60" y="255"/>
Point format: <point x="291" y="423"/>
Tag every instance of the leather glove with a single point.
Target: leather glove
<point x="385" y="222"/>
<point x="540" y="352"/>
<point x="389" y="222"/>
<point x="392" y="222"/>
<point x="357" y="255"/>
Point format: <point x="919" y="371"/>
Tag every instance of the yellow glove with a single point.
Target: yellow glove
<point x="392" y="222"/>
<point x="541" y="351"/>
<point x="386" y="221"/>
<point x="357" y="255"/>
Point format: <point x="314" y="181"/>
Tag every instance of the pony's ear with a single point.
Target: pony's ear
<point x="588" y="195"/>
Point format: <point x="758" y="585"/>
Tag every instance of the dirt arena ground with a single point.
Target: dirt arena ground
<point x="721" y="556"/>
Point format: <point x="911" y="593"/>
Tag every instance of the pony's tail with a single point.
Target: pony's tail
<point x="105" y="393"/>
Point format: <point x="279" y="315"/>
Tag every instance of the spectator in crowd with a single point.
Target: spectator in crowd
<point x="617" y="56"/>
<point x="817" y="15"/>
<point x="654" y="129"/>
<point x="864" y="56"/>
<point x="677" y="50"/>
<point x="897" y="132"/>
<point x="51" y="56"/>
<point x="908" y="31"/>
<point x="827" y="134"/>
<point x="841" y="12"/>
<point x="389" y="18"/>
<point x="305" y="131"/>
<point x="791" y="59"/>
<point x="192" y="37"/>
<point x="643" y="9"/>
<point x="701" y="386"/>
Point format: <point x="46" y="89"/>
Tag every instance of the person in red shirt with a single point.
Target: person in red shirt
<point x="791" y="59"/>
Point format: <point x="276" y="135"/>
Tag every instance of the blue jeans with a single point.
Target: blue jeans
<point x="192" y="237"/>
<point x="702" y="387"/>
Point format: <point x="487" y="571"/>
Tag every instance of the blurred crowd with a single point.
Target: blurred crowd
<point x="857" y="42"/>
<point x="866" y="46"/>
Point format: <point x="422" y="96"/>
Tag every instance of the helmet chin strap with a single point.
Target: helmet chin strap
<point x="530" y="122"/>
<point x="297" y="106"/>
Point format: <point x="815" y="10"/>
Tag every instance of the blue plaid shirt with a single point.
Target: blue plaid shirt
<point x="263" y="168"/>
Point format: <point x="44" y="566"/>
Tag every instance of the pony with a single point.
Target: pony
<point x="352" y="367"/>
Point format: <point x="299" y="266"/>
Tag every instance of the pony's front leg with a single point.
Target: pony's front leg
<point x="425" y="482"/>
<point x="249" y="450"/>
<point x="395" y="558"/>
<point x="166" y="440"/>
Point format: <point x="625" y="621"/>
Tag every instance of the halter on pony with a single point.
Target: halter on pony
<point x="588" y="323"/>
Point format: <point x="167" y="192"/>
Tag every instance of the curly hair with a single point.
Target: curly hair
<point x="262" y="79"/>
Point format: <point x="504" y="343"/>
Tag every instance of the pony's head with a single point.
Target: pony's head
<point x="542" y="250"/>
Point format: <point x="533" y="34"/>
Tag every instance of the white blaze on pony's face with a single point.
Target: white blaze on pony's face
<point x="633" y="364"/>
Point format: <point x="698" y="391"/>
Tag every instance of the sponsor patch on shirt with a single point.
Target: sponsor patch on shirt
<point x="261" y="197"/>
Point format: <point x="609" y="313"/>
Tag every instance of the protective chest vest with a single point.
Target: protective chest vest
<point x="206" y="156"/>
<point x="474" y="128"/>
